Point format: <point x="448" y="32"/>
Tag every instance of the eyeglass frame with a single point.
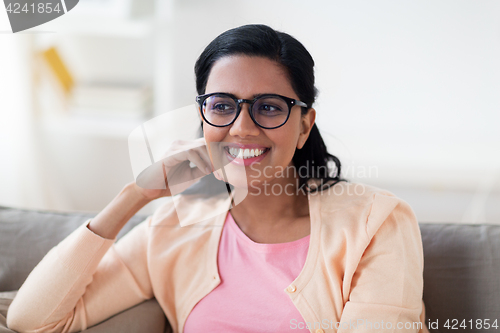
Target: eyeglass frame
<point x="289" y="101"/>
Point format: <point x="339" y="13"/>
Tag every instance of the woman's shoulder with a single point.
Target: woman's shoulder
<point x="185" y="215"/>
<point x="351" y="194"/>
<point x="363" y="205"/>
<point x="173" y="229"/>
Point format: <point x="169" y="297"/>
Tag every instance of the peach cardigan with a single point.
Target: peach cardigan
<point x="365" y="262"/>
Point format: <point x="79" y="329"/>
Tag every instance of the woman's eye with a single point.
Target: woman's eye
<point x="224" y="108"/>
<point x="269" y="109"/>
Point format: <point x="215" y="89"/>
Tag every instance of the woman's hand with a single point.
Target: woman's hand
<point x="173" y="173"/>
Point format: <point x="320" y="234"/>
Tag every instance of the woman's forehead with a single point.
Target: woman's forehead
<point x="248" y="76"/>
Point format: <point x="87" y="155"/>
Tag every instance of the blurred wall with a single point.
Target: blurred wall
<point x="408" y="97"/>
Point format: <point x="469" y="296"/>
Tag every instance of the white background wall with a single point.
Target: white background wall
<point x="408" y="90"/>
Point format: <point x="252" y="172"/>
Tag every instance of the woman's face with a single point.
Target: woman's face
<point x="245" y="77"/>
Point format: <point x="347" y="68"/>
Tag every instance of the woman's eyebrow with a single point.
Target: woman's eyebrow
<point x="253" y="96"/>
<point x="259" y="95"/>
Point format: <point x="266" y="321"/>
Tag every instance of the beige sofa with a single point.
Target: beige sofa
<point x="461" y="276"/>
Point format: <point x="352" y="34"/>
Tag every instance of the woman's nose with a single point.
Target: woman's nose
<point x="244" y="126"/>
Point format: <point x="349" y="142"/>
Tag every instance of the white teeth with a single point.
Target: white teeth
<point x="245" y="153"/>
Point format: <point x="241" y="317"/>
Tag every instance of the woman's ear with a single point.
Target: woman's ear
<point x="306" y="124"/>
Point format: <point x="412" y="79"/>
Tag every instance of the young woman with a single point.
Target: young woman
<point x="302" y="250"/>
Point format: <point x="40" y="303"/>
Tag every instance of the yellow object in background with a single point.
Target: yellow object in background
<point x="60" y="70"/>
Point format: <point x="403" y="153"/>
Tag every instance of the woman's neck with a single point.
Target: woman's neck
<point x="273" y="215"/>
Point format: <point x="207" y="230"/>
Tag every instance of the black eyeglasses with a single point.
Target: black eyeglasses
<point x="268" y="111"/>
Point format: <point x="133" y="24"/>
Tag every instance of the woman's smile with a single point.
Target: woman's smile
<point x="245" y="154"/>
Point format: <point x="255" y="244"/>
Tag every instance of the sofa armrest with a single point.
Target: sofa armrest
<point x="145" y="317"/>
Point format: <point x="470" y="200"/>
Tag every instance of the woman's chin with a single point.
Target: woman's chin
<point x="233" y="174"/>
<point x="231" y="179"/>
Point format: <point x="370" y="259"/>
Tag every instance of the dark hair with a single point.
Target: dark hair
<point x="263" y="41"/>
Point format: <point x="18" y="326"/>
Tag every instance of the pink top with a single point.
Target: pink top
<point x="251" y="294"/>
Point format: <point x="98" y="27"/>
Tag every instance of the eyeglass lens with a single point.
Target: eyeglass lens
<point x="269" y="112"/>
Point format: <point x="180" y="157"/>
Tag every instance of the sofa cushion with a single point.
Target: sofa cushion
<point x="26" y="236"/>
<point x="461" y="273"/>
